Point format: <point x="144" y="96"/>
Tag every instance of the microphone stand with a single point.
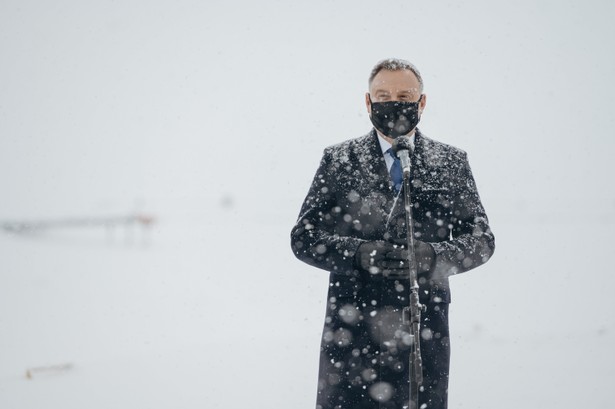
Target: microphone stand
<point x="412" y="313"/>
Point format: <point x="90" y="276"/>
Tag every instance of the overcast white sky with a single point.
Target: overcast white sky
<point x="213" y="115"/>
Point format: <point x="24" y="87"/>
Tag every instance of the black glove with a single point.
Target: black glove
<point x="425" y="256"/>
<point x="381" y="257"/>
<point x="391" y="259"/>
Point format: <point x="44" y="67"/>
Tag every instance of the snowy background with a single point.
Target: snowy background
<point x="212" y="116"/>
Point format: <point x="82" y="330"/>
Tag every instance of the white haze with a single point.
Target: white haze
<point x="212" y="116"/>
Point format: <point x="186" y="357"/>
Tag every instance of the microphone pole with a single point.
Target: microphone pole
<point x="402" y="146"/>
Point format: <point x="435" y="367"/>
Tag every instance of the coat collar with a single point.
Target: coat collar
<point x="417" y="160"/>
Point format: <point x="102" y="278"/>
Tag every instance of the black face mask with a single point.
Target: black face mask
<point x="395" y="118"/>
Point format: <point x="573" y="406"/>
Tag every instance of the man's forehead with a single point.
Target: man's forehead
<point x="395" y="81"/>
<point x="393" y="88"/>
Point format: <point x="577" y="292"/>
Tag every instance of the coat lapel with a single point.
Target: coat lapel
<point x="418" y="160"/>
<point x="377" y="172"/>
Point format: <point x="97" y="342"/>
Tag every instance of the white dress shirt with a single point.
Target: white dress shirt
<point x="385" y="146"/>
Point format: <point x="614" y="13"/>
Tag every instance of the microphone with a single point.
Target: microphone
<point x="402" y="146"/>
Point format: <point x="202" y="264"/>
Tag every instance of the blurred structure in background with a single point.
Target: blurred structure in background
<point x="48" y="370"/>
<point x="127" y="225"/>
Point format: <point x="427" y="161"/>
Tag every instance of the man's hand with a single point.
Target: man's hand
<point x="391" y="259"/>
<point x="381" y="257"/>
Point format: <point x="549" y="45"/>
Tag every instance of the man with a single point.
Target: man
<point x="353" y="224"/>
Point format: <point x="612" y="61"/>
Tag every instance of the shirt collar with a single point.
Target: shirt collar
<point x="385" y="145"/>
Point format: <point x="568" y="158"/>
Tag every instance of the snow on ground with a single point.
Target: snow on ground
<point x="186" y="321"/>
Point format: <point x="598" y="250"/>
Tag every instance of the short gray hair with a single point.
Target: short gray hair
<point x="395" y="64"/>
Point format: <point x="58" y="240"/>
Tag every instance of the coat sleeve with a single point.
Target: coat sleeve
<point x="313" y="238"/>
<point x="472" y="243"/>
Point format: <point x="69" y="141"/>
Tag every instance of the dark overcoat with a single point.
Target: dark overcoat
<point x="365" y="346"/>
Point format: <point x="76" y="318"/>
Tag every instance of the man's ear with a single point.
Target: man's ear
<point x="422" y="103"/>
<point x="368" y="103"/>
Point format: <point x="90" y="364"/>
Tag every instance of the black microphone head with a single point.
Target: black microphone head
<point x="402" y="143"/>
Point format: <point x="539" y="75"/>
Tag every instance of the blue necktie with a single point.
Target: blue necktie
<point x="395" y="171"/>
